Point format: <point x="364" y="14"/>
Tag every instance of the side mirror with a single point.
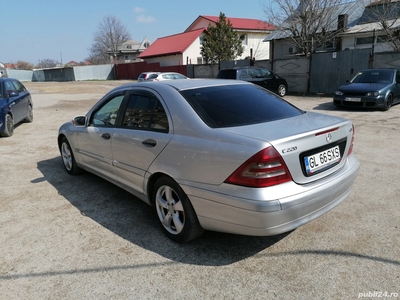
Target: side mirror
<point x="347" y="81"/>
<point x="13" y="94"/>
<point x="79" y="121"/>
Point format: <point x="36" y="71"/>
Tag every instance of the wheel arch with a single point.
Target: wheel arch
<point x="59" y="139"/>
<point x="151" y="182"/>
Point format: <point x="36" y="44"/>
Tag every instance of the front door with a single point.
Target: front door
<point x="94" y="142"/>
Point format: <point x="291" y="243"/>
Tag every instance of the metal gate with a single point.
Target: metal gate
<point x="332" y="69"/>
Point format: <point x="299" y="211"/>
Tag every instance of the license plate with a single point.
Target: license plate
<point x="321" y="160"/>
<point x="352" y="99"/>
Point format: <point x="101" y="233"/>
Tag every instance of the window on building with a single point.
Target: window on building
<point x="200" y="60"/>
<point x="382" y="38"/>
<point x="294" y="50"/>
<point x="365" y="40"/>
<point x="330" y="44"/>
<point x="245" y="41"/>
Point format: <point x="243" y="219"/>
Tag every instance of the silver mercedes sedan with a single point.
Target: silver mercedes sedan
<point x="221" y="155"/>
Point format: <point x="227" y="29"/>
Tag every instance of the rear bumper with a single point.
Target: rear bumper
<point x="258" y="216"/>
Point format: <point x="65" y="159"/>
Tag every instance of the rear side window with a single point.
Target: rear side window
<point x="238" y="105"/>
<point x="227" y="74"/>
<point x="144" y="111"/>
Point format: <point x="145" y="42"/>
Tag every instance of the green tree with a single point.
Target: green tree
<point x="221" y="42"/>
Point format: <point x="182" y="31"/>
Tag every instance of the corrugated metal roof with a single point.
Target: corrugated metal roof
<point x="174" y="44"/>
<point x="369" y="27"/>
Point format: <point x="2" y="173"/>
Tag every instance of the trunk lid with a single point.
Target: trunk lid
<point x="312" y="145"/>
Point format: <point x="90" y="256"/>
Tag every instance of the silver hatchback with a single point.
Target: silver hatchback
<point x="227" y="155"/>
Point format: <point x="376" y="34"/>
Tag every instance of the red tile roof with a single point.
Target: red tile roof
<point x="240" y="23"/>
<point x="173" y="44"/>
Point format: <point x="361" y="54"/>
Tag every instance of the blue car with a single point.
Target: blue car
<point x="15" y="105"/>
<point x="371" y="88"/>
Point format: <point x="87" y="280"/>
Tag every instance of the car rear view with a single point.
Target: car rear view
<point x="302" y="168"/>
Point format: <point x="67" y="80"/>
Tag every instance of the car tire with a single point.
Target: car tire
<point x="68" y="157"/>
<point x="174" y="211"/>
<point x="388" y="102"/>
<point x="282" y="90"/>
<point x="8" y="126"/>
<point x="29" y="117"/>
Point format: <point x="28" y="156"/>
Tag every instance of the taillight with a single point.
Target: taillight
<point x="352" y="142"/>
<point x="263" y="169"/>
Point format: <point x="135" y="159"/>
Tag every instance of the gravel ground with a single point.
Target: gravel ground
<point x="79" y="237"/>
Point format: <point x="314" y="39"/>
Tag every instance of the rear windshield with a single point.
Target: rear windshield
<point x="227" y="74"/>
<point x="238" y="105"/>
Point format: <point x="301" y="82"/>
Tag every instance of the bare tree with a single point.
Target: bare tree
<point x="47" y="63"/>
<point x="109" y="36"/>
<point x="387" y="14"/>
<point x="23" y="65"/>
<point x="308" y="23"/>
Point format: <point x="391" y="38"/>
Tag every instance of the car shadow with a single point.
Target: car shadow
<point x="132" y="219"/>
<point x="327" y="106"/>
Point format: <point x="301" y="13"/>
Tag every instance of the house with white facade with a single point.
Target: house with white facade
<point x="357" y="26"/>
<point x="184" y="48"/>
<point x="369" y="32"/>
<point x="129" y="51"/>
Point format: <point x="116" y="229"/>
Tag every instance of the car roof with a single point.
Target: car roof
<point x="246" y="67"/>
<point x="149" y="73"/>
<point x="380" y="69"/>
<point x="185" y="84"/>
<point x="6" y="79"/>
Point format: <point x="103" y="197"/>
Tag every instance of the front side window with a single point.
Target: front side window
<point x="107" y="114"/>
<point x="267" y="74"/>
<point x="19" y="87"/>
<point x="145" y="111"/>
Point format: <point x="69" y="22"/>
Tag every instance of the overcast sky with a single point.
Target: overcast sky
<point x="63" y="30"/>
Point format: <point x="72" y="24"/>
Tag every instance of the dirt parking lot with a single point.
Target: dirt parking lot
<point x="79" y="237"/>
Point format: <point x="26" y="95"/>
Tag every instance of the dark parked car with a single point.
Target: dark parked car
<point x="15" y="105"/>
<point x="222" y="155"/>
<point x="257" y="75"/>
<point x="371" y="88"/>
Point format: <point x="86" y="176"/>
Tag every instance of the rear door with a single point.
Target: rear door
<point x="144" y="132"/>
<point x="396" y="88"/>
<point x="15" y="103"/>
<point x="22" y="101"/>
